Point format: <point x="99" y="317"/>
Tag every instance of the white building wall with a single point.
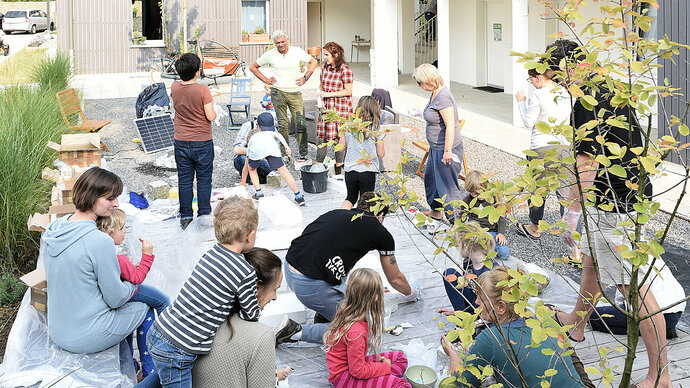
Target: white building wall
<point x="345" y="19"/>
<point x="384" y="43"/>
<point x="406" y="52"/>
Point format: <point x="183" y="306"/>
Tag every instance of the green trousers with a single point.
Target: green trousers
<point x="292" y="100"/>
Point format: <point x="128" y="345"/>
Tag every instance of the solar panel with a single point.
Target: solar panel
<point x="157" y="132"/>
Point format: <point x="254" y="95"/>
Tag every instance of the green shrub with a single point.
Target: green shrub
<point x="29" y="118"/>
<point x="53" y="74"/>
<point x="11" y="289"/>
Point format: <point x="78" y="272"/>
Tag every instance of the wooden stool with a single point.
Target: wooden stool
<point x="424" y="146"/>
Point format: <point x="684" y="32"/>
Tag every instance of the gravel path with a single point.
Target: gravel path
<point x="136" y="169"/>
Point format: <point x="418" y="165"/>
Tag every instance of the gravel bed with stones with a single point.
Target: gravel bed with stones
<point x="136" y="169"/>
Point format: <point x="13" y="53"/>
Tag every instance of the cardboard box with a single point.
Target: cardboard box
<point x="38" y="222"/>
<point x="36" y="280"/>
<point x="82" y="149"/>
<point x="393" y="147"/>
<point x="62" y="210"/>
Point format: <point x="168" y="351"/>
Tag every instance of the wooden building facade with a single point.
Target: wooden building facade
<point x="99" y="33"/>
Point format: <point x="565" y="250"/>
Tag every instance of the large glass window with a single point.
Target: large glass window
<point x="147" y="20"/>
<point x="255" y="16"/>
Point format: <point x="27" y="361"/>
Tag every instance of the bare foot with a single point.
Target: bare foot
<point x="648" y="382"/>
<point x="447" y="311"/>
<point x="533" y="230"/>
<point x="577" y="333"/>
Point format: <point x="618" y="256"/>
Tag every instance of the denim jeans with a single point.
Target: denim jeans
<point x="263" y="170"/>
<point x="317" y="295"/>
<point x="293" y="100"/>
<point x="462" y="299"/>
<point x="617" y="322"/>
<point x="502" y="251"/>
<point x="173" y="364"/>
<point x="152" y="297"/>
<point x="194" y="158"/>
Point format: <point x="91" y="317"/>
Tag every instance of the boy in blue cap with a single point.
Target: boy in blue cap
<point x="264" y="145"/>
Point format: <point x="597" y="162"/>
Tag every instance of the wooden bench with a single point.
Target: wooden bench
<point x="424" y="146"/>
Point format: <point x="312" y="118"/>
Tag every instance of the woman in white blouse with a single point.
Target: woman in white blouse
<point x="550" y="103"/>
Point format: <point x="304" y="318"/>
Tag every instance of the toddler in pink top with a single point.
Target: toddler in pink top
<point x="114" y="226"/>
<point x="357" y="326"/>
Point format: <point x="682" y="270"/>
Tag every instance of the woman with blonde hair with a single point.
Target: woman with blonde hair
<point x="444" y="162"/>
<point x="357" y="327"/>
<point x="522" y="364"/>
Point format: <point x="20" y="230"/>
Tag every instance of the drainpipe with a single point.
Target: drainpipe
<point x="48" y="13"/>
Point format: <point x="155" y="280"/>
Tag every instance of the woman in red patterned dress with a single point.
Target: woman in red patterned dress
<point x="336" y="92"/>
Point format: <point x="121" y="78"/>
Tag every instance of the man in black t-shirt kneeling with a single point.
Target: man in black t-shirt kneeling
<point x="319" y="260"/>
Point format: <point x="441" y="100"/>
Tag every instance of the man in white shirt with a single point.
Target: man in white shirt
<point x="287" y="64"/>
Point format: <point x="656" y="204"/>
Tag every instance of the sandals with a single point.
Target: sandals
<point x="523" y="231"/>
<point x="556" y="310"/>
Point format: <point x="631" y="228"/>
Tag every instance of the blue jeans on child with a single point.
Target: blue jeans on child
<point x="194" y="158"/>
<point x="152" y="297"/>
<point x="173" y="364"/>
<point x="502" y="251"/>
<point x="263" y="170"/>
<point x="462" y="299"/>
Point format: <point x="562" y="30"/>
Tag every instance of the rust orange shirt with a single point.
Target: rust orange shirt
<point x="190" y="119"/>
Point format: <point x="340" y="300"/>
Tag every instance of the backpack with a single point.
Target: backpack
<point x="152" y="95"/>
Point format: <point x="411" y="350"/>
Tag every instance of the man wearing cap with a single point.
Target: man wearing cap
<point x="263" y="145"/>
<point x="288" y="65"/>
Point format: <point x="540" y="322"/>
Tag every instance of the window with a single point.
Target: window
<point x="255" y="16"/>
<point x="147" y="21"/>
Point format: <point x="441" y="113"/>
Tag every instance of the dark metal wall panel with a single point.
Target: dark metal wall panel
<point x="102" y="30"/>
<point x="673" y="21"/>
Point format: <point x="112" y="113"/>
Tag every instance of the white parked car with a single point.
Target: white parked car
<point x="29" y="20"/>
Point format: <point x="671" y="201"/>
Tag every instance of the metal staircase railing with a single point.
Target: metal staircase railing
<point x="425" y="38"/>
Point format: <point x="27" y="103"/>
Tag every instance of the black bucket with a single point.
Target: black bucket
<point x="314" y="182"/>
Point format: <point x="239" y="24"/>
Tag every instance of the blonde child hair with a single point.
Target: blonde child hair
<point x="475" y="243"/>
<point x="363" y="302"/>
<point x="114" y="222"/>
<point x="473" y="182"/>
<point x="235" y="218"/>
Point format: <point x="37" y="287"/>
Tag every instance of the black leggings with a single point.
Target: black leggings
<point x="358" y="183"/>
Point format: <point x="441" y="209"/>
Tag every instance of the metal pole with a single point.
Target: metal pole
<point x="48" y="13"/>
<point x="184" y="25"/>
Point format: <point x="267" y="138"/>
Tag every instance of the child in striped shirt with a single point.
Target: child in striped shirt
<point x="221" y="279"/>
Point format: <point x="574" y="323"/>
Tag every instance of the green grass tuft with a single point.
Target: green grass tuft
<point x="52" y="74"/>
<point x="11" y="289"/>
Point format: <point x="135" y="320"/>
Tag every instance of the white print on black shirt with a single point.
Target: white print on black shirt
<point x="335" y="265"/>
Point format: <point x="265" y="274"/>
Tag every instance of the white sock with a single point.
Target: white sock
<point x="297" y="336"/>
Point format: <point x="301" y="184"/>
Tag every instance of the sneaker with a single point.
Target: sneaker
<point x="256" y="196"/>
<point x="300" y="201"/>
<point x="303" y="158"/>
<point x="184" y="222"/>
<point x="318" y="318"/>
<point x="285" y="329"/>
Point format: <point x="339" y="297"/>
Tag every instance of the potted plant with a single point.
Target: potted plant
<point x="245" y="36"/>
<point x="135" y="38"/>
<point x="259" y="35"/>
<point x="142" y="40"/>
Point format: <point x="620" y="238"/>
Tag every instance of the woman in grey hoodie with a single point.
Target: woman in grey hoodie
<point x="87" y="304"/>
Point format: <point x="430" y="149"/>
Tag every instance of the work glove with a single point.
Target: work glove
<point x="416" y="293"/>
<point x="571" y="218"/>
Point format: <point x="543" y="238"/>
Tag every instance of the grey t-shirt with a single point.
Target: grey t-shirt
<point x="435" y="127"/>
<point x="353" y="154"/>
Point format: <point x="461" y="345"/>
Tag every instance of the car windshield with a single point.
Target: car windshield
<point x="15" y="14"/>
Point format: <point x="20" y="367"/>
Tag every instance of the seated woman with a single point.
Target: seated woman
<point x="243" y="354"/>
<point x="665" y="289"/>
<point x="490" y="347"/>
<point x="82" y="270"/>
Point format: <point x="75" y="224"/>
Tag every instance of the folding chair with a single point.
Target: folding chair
<point x="424" y="146"/>
<point x="240" y="100"/>
<point x="70" y="107"/>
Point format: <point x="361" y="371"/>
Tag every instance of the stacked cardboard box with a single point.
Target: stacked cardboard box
<point x="77" y="152"/>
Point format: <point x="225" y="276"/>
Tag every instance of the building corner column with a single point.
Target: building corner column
<point x="519" y="43"/>
<point x="443" y="25"/>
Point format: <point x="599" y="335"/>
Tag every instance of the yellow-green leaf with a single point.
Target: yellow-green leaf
<point x="602" y="159"/>
<point x="592" y="370"/>
<point x="617" y="170"/>
<point x="575" y="91"/>
<point x="590" y="100"/>
<point x="683" y="130"/>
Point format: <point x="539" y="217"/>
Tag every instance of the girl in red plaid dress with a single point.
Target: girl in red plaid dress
<point x="336" y="92"/>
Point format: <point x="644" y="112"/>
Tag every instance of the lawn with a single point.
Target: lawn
<point x="19" y="67"/>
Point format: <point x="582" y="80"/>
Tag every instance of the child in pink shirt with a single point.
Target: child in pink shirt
<point x="114" y="226"/>
<point x="357" y="326"/>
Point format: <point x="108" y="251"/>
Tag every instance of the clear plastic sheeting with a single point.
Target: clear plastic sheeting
<point x="33" y="360"/>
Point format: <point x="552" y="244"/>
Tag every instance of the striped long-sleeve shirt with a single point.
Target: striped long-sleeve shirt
<point x="220" y="279"/>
